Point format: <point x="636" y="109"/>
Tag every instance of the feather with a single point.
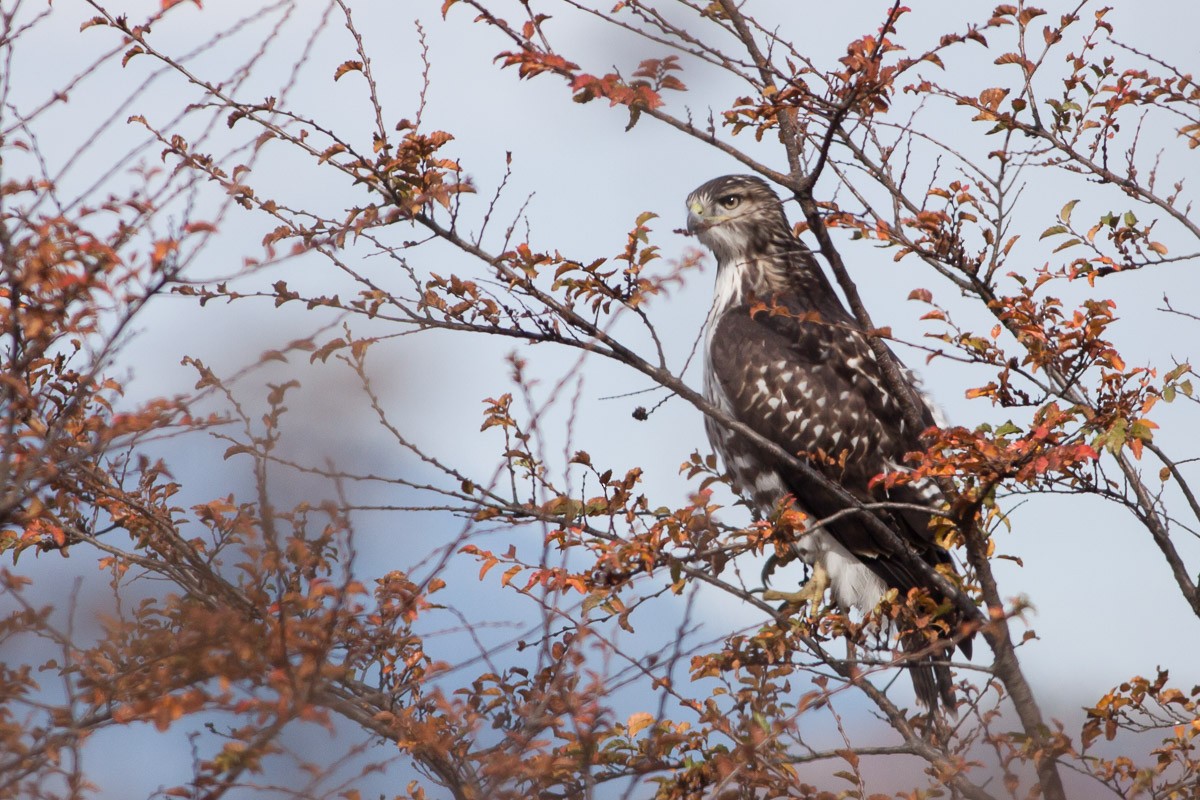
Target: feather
<point x="784" y="356"/>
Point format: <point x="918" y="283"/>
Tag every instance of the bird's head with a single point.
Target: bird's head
<point x="736" y="216"/>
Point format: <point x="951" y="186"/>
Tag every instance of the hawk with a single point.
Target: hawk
<point x="784" y="357"/>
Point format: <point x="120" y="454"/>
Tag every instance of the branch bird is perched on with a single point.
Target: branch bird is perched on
<point x="807" y="380"/>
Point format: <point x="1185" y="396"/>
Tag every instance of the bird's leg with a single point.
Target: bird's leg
<point x="812" y="591"/>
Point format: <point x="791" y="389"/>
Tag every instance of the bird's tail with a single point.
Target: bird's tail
<point x="931" y="676"/>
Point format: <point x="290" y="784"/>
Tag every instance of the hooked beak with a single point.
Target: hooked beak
<point x="695" y="222"/>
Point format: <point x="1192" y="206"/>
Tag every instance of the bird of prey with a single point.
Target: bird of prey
<point x="784" y="357"/>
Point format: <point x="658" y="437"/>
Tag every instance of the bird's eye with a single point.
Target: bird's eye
<point x="729" y="201"/>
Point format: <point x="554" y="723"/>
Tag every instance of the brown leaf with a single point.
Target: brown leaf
<point x="991" y="98"/>
<point x="347" y="66"/>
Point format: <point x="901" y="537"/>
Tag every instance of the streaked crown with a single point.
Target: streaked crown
<point x="736" y="216"/>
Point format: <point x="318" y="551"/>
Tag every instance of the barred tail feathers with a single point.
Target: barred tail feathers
<point x="931" y="675"/>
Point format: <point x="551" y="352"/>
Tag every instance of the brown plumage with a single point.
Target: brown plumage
<point x="808" y="381"/>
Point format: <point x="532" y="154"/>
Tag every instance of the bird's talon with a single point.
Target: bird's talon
<point x="812" y="592"/>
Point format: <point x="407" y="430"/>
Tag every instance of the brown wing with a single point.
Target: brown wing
<point x="815" y="389"/>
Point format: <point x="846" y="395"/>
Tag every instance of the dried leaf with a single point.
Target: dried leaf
<point x="347" y="66"/>
<point x="639" y="722"/>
